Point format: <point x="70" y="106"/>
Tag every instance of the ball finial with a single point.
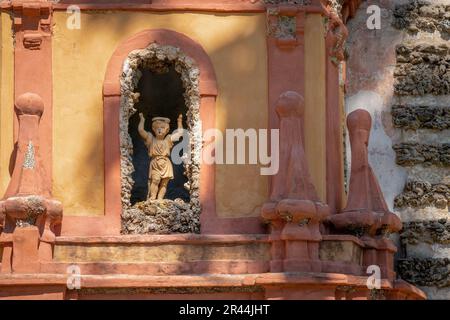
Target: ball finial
<point x="359" y="119"/>
<point x="290" y="103"/>
<point x="29" y="104"/>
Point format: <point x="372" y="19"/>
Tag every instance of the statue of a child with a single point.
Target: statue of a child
<point x="159" y="148"/>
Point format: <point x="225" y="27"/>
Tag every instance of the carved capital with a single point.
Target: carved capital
<point x="286" y="23"/>
<point x="32" y="21"/>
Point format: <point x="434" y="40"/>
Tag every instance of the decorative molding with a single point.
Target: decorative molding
<point x="34" y="19"/>
<point x="286" y="24"/>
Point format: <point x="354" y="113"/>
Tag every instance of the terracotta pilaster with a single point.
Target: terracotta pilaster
<point x="32" y="25"/>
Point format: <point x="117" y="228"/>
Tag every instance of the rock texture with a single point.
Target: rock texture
<point x="421" y="117"/>
<point x="158" y="58"/>
<point x="415" y="232"/>
<point x="409" y="154"/>
<point x="301" y="2"/>
<point x="422" y="69"/>
<point x="420" y="194"/>
<point x="160" y="217"/>
<point x="420" y="15"/>
<point x="425" y="272"/>
<point x="408" y="81"/>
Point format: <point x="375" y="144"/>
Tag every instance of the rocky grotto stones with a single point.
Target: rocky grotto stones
<point x="420" y="194"/>
<point x="409" y="154"/>
<point x="424" y="16"/>
<point x="160" y="217"/>
<point x="437" y="231"/>
<point x="422" y="69"/>
<point x="425" y="272"/>
<point x="301" y="2"/>
<point x="421" y="117"/>
<point x="152" y="217"/>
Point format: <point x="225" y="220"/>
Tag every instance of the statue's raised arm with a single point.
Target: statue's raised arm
<point x="146" y="136"/>
<point x="178" y="133"/>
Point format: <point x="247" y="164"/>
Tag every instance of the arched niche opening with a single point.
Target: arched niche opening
<point x="161" y="94"/>
<point x="159" y="81"/>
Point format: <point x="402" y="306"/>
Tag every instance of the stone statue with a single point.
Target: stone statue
<point x="159" y="148"/>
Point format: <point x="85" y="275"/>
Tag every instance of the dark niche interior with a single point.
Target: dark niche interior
<point x="161" y="95"/>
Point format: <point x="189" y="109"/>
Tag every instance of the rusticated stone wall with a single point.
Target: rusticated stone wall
<point x="410" y="154"/>
<point x="421" y="117"/>
<point x="421" y="194"/>
<point x="422" y="69"/>
<point x="426" y="272"/>
<point x="401" y="75"/>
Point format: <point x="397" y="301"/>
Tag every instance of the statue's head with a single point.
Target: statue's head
<point x="160" y="127"/>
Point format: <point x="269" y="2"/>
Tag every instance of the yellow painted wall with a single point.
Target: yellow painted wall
<point x="315" y="101"/>
<point x="6" y="99"/>
<point x="237" y="47"/>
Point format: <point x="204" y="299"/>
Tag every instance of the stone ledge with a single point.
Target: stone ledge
<point x="163" y="239"/>
<point x="161" y="268"/>
<point x="303" y="284"/>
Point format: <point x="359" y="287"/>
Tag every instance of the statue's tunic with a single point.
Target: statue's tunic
<point x="159" y="152"/>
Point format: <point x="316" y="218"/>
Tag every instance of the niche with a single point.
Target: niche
<point x="159" y="81"/>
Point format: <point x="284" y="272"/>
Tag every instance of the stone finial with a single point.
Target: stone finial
<point x="366" y="212"/>
<point x="29" y="104"/>
<point x="27" y="203"/>
<point x="294" y="210"/>
<point x="293" y="181"/>
<point x="27" y="177"/>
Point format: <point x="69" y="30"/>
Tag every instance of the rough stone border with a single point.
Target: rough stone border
<point x="421" y="194"/>
<point x="157" y="56"/>
<point x="422" y="69"/>
<point x="420" y="15"/>
<point x="409" y="154"/>
<point x="425" y="272"/>
<point x="421" y="117"/>
<point x="428" y="231"/>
